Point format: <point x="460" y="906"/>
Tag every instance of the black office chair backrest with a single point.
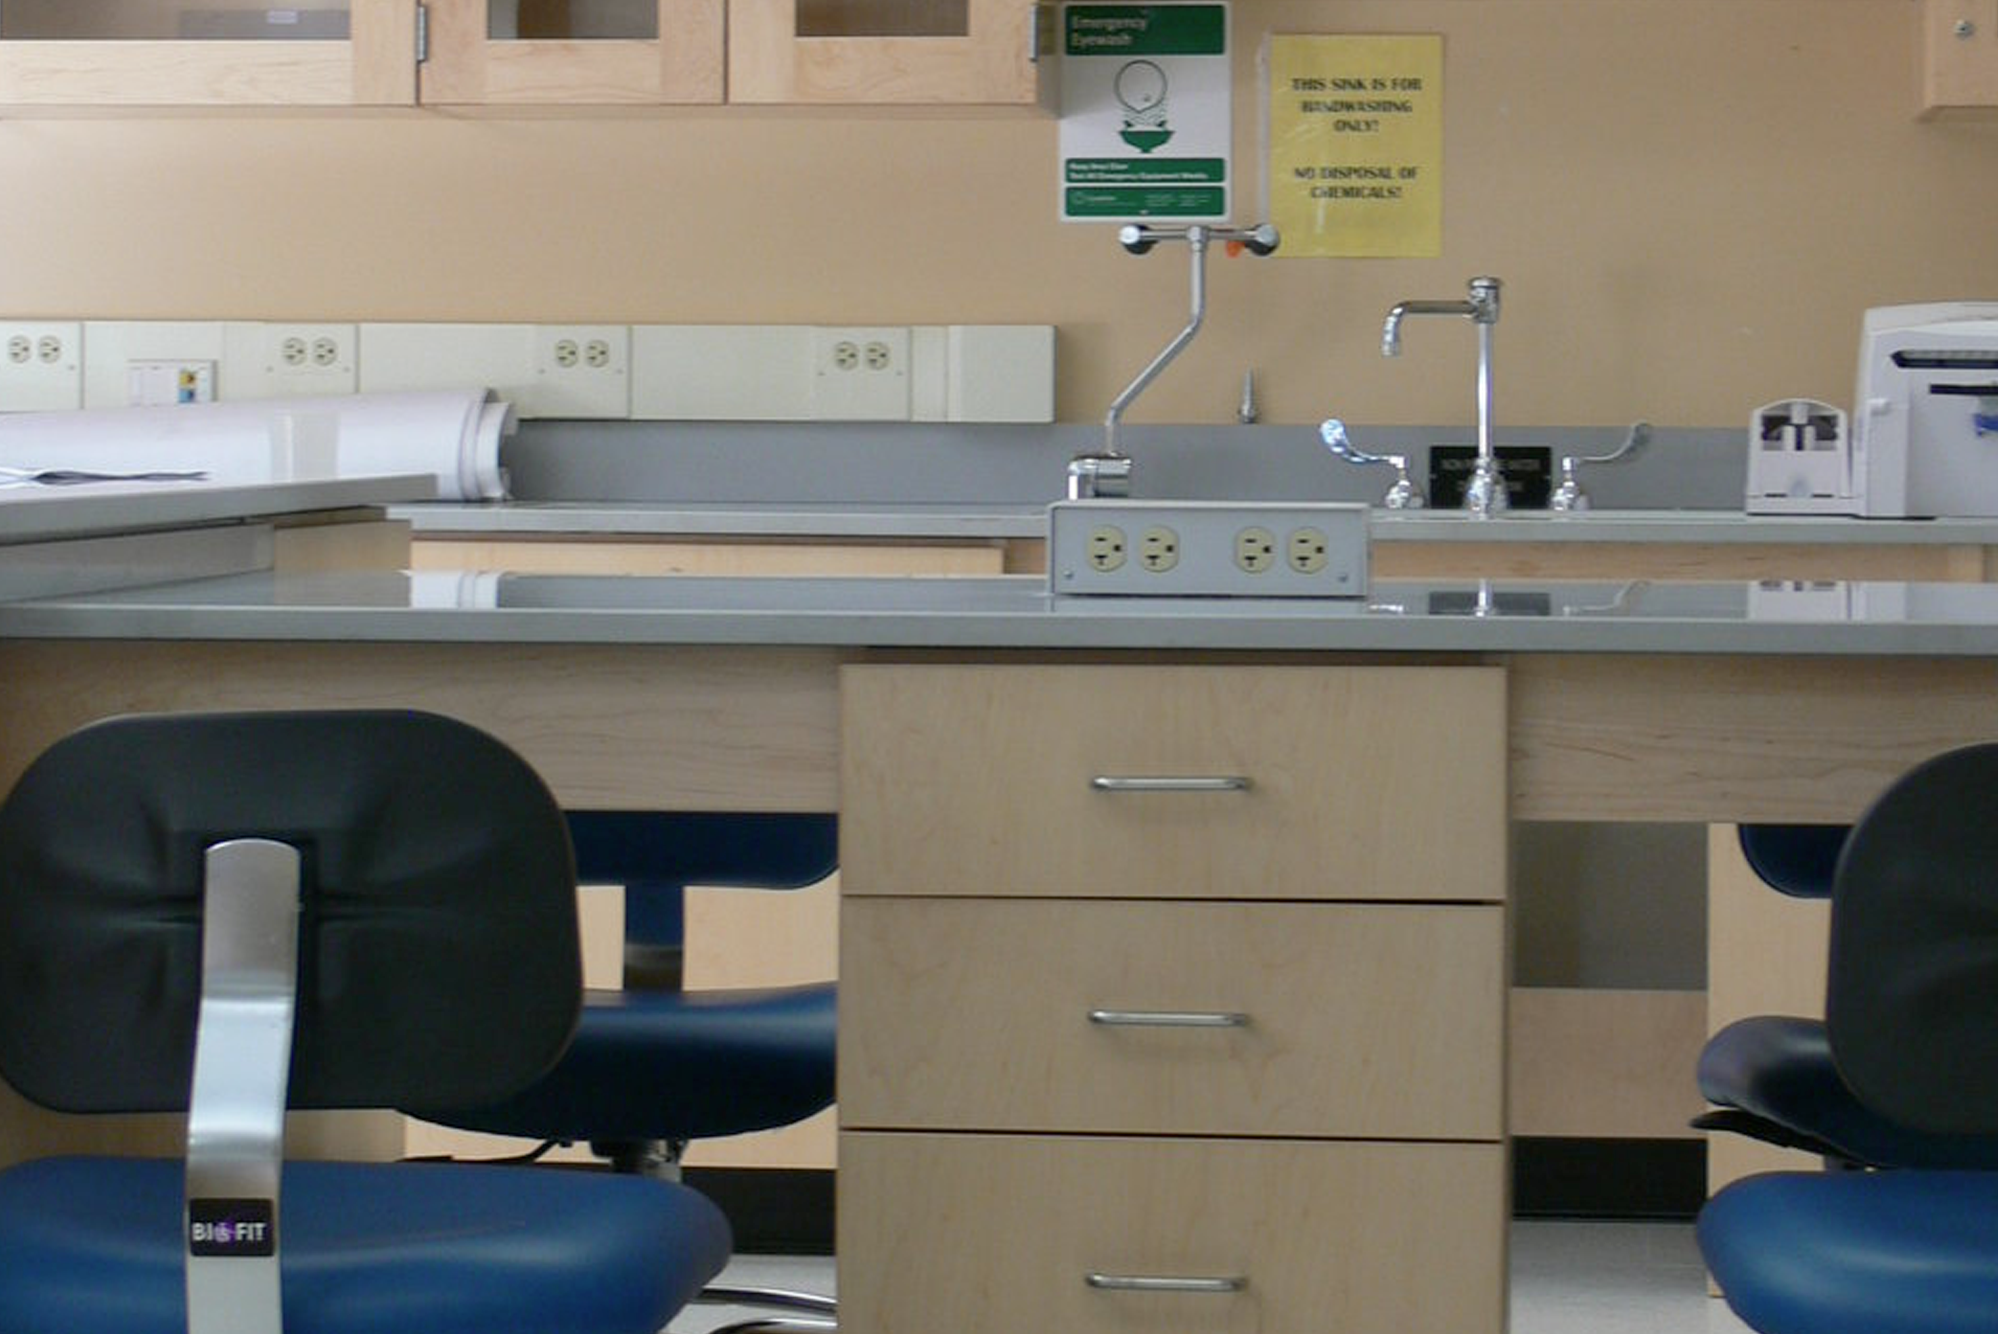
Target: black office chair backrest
<point x="1912" y="1001"/>
<point x="438" y="951"/>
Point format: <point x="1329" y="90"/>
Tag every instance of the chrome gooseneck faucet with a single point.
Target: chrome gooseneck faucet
<point x="1484" y="494"/>
<point x="1109" y="473"/>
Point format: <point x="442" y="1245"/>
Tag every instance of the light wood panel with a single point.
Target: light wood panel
<point x="359" y="545"/>
<point x="1718" y="738"/>
<point x="607" y="726"/>
<point x="994" y="1235"/>
<point x="645" y="557"/>
<point x="1959" y="57"/>
<point x="1363" y="1020"/>
<point x="1592" y="1062"/>
<point x="977" y="779"/>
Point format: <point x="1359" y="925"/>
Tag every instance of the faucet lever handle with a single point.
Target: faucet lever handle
<point x="1404" y="494"/>
<point x="1569" y="495"/>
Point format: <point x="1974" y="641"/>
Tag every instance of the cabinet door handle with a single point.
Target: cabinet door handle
<point x="1165" y="1283"/>
<point x="1127" y="783"/>
<point x="1169" y="1018"/>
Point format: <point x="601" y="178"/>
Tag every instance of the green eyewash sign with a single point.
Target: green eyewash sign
<point x="1145" y="123"/>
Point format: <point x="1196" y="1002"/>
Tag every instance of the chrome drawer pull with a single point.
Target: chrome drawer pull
<point x="1165" y="1283"/>
<point x="1169" y="1018"/>
<point x="1220" y="783"/>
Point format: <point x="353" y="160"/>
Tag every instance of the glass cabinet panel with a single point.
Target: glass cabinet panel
<point x="573" y="52"/>
<point x="884" y="18"/>
<point x="888" y="52"/>
<point x="584" y="20"/>
<point x="207" y="53"/>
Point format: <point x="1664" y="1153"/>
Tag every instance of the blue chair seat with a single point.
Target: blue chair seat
<point x="701" y="1063"/>
<point x="1857" y="1252"/>
<point x="1777" y="1069"/>
<point x="368" y="1248"/>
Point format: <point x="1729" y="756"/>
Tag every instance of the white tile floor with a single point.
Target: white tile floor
<point x="1567" y="1278"/>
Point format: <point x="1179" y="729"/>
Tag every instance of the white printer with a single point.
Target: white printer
<point x="1921" y="440"/>
<point x="1925" y="414"/>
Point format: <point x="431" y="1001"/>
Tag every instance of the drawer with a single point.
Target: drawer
<point x="998" y="1234"/>
<point x="1366" y="1020"/>
<point x="1355" y="782"/>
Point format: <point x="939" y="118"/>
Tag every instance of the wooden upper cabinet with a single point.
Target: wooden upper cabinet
<point x="1959" y="57"/>
<point x="501" y="53"/>
<point x="888" y="52"/>
<point x="573" y="52"/>
<point x="210" y="53"/>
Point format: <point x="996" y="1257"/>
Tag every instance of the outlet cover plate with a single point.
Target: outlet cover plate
<point x="1206" y="535"/>
<point x="860" y="374"/>
<point x="41" y="366"/>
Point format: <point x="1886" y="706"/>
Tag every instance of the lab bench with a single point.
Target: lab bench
<point x="1669" y="702"/>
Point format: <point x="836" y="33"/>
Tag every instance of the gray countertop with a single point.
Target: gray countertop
<point x="1017" y="612"/>
<point x="968" y="522"/>
<point x="36" y="513"/>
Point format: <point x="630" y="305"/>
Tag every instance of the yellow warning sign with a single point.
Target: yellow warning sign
<point x="1356" y="145"/>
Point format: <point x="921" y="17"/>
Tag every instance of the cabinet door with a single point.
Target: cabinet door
<point x="909" y="52"/>
<point x="207" y="53"/>
<point x="573" y="52"/>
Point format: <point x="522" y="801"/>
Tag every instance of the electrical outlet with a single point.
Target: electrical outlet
<point x="582" y="370"/>
<point x="290" y="360"/>
<point x="1255" y="549"/>
<point x="1106" y="548"/>
<point x="1207" y="548"/>
<point x="41" y="367"/>
<point x="860" y="374"/>
<point x="1307" y="550"/>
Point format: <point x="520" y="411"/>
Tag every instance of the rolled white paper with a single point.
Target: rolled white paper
<point x="453" y="435"/>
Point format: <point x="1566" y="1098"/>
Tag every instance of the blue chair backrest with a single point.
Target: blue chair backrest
<point x="1794" y="859"/>
<point x="656" y="854"/>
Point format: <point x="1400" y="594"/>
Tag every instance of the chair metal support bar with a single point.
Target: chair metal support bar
<point x="242" y="1062"/>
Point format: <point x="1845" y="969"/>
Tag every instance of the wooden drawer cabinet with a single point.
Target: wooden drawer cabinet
<point x="1367" y="1020"/>
<point x="1000" y="1233"/>
<point x="1361" y="783"/>
<point x="1183" y="972"/>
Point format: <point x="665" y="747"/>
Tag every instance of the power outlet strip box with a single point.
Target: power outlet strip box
<point x="1195" y="548"/>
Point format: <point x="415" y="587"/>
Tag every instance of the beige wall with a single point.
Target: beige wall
<point x="1691" y="202"/>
